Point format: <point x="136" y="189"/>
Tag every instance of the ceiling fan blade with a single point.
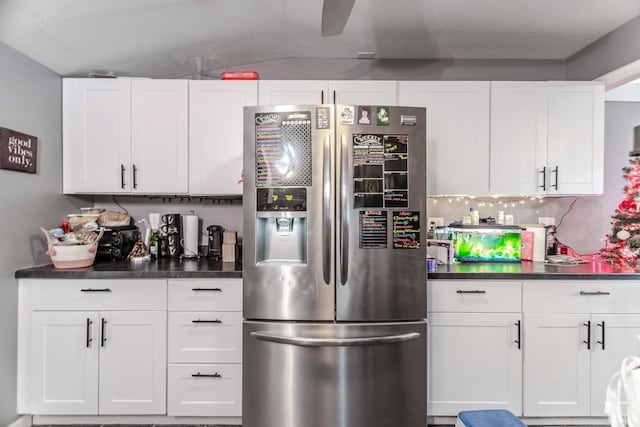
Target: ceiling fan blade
<point x="335" y="14"/>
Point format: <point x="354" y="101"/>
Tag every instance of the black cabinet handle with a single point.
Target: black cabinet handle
<point x="135" y="176"/>
<point x="544" y="178"/>
<point x="321" y="97"/>
<point x="206" y="289"/>
<point x="334" y="96"/>
<point x="517" y="341"/>
<point x="95" y="290"/>
<point x="588" y="341"/>
<point x="594" y="293"/>
<point x="214" y="375"/>
<point x="556" y="172"/>
<point x="122" y="176"/>
<point x="477" y="291"/>
<point x="602" y="341"/>
<point x="206" y="321"/>
<point x="103" y="336"/>
<point x="89" y="339"/>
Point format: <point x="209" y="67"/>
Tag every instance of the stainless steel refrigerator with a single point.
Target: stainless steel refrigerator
<point x="334" y="266"/>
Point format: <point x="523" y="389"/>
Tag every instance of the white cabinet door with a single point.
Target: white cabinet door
<point x="297" y="92"/>
<point x="614" y="337"/>
<point x="96" y="127"/>
<point x="64" y="363"/>
<point x="133" y="362"/>
<point x="518" y="137"/>
<point x="575" y="144"/>
<point x="215" y="135"/>
<point x="363" y="92"/>
<point x="159" y="136"/>
<point x="556" y="365"/>
<point x="474" y="363"/>
<point x="457" y="133"/>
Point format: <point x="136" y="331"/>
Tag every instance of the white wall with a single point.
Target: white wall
<point x="586" y="224"/>
<point x="30" y="102"/>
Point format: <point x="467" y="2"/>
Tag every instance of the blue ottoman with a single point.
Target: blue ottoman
<point x="488" y="418"/>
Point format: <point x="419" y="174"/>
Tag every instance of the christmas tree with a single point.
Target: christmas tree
<point x="623" y="244"/>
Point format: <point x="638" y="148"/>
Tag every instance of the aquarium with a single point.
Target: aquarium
<point x="488" y="245"/>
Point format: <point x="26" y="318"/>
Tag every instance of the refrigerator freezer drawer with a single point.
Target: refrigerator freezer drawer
<point x="334" y="375"/>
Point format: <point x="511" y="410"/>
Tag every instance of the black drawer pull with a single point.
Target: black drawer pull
<point x="477" y="291"/>
<point x="594" y="293"/>
<point x="206" y="321"/>
<point x="215" y="375"/>
<point x="95" y="290"/>
<point x="206" y="289"/>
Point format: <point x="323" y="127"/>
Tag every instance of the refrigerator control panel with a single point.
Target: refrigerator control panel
<point x="281" y="199"/>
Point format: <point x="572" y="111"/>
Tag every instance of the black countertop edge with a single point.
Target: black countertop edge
<point x="529" y="270"/>
<point x="160" y="269"/>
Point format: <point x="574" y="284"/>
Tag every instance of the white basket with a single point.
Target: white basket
<point x="72" y="256"/>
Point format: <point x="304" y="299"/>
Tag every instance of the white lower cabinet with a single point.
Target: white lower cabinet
<point x="205" y="348"/>
<point x="576" y="336"/>
<point x="102" y="360"/>
<point x="475" y="356"/>
<point x="475" y="362"/>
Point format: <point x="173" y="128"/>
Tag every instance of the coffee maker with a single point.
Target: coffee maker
<point x="215" y="242"/>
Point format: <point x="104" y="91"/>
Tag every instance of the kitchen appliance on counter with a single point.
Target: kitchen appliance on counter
<point x="117" y="242"/>
<point x="214" y="241"/>
<point x="190" y="236"/>
<point x="334" y="266"/>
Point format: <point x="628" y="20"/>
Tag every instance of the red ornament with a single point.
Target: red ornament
<point x="627" y="205"/>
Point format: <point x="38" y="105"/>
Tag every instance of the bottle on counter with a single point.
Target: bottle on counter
<point x="154" y="244"/>
<point x="475" y="216"/>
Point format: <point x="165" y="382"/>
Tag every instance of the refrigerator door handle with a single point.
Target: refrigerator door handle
<point x="335" y="342"/>
<point x="344" y="212"/>
<point x="326" y="210"/>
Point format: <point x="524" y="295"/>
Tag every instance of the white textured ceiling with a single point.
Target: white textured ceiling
<point x="156" y="38"/>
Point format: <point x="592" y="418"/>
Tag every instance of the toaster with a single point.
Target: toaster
<point x="117" y="242"/>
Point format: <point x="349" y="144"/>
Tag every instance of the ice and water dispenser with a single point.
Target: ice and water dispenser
<point x="281" y="226"/>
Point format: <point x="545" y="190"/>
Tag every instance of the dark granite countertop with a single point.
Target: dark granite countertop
<point x="529" y="270"/>
<point x="165" y="268"/>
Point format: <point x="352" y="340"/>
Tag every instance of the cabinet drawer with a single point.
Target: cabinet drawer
<point x="88" y="295"/>
<point x="574" y="296"/>
<point x="205" y="337"/>
<point x="205" y="295"/>
<point x="204" y="390"/>
<point x="473" y="296"/>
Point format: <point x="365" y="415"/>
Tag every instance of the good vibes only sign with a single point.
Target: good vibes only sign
<point x="18" y="151"/>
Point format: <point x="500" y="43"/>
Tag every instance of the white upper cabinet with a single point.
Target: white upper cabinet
<point x="547" y="138"/>
<point x="575" y="138"/>
<point x="355" y="92"/>
<point x="96" y="130"/>
<point x="125" y="136"/>
<point x="296" y="92"/>
<point x="363" y="92"/>
<point x="457" y="133"/>
<point x="159" y="136"/>
<point x="215" y="135"/>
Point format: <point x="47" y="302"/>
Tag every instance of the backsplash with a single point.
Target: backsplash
<point x="209" y="211"/>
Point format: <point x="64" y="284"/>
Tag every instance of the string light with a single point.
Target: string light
<point x="491" y="201"/>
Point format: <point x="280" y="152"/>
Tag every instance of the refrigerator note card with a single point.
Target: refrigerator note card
<point x="373" y="230"/>
<point x="406" y="229"/>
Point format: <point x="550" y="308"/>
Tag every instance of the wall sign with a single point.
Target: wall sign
<point x="18" y="151"/>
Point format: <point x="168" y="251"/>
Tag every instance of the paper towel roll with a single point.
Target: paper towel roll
<point x="539" y="243"/>
<point x="190" y="235"/>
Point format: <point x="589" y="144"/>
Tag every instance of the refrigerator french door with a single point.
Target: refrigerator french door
<point x="334" y="271"/>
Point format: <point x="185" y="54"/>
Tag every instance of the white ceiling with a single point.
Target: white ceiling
<point x="157" y="38"/>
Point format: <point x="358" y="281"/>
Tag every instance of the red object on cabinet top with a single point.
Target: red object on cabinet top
<point x="239" y="75"/>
